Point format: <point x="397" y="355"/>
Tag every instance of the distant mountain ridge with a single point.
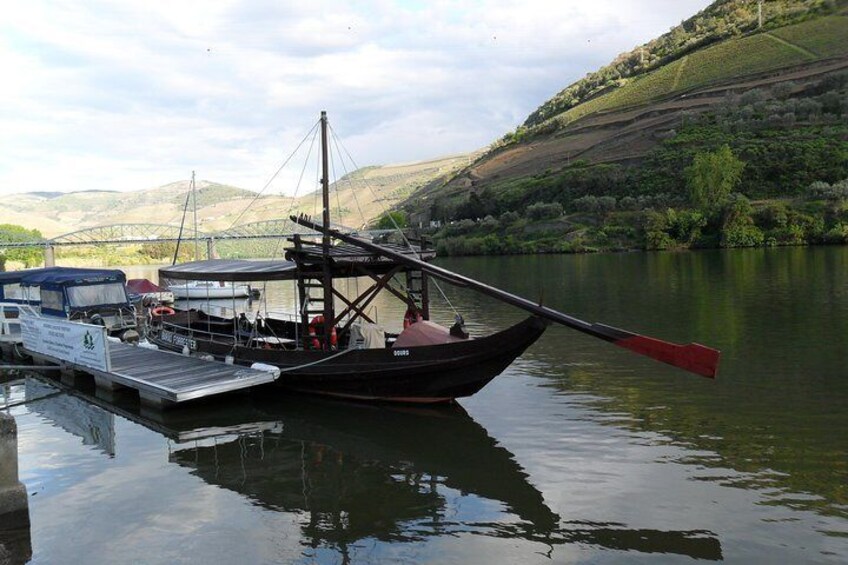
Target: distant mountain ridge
<point x="357" y="199"/>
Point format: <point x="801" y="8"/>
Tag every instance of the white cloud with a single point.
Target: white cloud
<point x="118" y="96"/>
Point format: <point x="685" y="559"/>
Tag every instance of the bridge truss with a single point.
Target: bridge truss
<point x="141" y="233"/>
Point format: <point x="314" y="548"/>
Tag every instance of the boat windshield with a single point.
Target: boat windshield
<point x="96" y="295"/>
<point x="19" y="293"/>
<point x="52" y="300"/>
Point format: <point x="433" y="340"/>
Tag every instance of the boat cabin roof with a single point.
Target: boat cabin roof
<point x="343" y="253"/>
<point x="61" y="276"/>
<point x="344" y="259"/>
<point x="71" y="276"/>
<point x="11" y="277"/>
<point x="235" y="270"/>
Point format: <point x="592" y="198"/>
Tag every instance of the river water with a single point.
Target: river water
<point x="579" y="452"/>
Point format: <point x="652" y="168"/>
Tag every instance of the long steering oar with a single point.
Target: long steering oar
<point x="693" y="357"/>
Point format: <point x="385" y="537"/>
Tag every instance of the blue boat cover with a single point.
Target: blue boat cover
<point x="71" y="276"/>
<point x="11" y="277"/>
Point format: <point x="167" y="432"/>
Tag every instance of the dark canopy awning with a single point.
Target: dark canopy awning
<point x="235" y="270"/>
<point x="71" y="276"/>
<point x="10" y="277"/>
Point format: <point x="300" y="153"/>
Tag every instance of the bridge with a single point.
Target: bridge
<point x="141" y="233"/>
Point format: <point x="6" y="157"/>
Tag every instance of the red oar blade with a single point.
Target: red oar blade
<point x="693" y="357"/>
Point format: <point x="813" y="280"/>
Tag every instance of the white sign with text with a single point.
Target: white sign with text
<point x="81" y="344"/>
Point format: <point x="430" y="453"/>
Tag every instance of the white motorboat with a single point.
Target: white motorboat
<point x="209" y="289"/>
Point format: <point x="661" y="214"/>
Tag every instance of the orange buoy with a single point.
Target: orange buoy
<point x="163" y="311"/>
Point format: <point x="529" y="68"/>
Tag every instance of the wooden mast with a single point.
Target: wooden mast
<point x="194" y="201"/>
<point x="327" y="278"/>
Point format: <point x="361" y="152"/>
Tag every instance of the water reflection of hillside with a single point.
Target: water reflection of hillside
<point x="797" y="460"/>
<point x="774" y="419"/>
<point x="351" y="472"/>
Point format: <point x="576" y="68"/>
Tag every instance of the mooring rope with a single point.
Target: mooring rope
<point x="267" y="184"/>
<point x="313" y="363"/>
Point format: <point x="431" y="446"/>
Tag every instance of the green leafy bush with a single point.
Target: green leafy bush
<point x="738" y="228"/>
<point x="544" y="211"/>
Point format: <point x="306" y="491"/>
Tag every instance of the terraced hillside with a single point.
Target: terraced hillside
<point x="624" y="126"/>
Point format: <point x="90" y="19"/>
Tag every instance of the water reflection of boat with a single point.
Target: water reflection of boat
<point x="94" y="426"/>
<point x="357" y="471"/>
<point x="387" y="473"/>
<point x="379" y="467"/>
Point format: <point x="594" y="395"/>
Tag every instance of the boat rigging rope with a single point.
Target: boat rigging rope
<point x="347" y="176"/>
<point x="336" y="186"/>
<point x="267" y="184"/>
<point x="394" y="223"/>
<point x="297" y="187"/>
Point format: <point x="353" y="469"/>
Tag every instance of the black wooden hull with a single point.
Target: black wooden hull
<point x="426" y="374"/>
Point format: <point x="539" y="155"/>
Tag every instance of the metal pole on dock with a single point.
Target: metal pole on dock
<point x="49" y="256"/>
<point x="15" y="541"/>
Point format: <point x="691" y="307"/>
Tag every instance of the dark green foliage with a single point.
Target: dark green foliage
<point x="712" y="176"/>
<point x="773" y="216"/>
<point x="392" y="220"/>
<point x="30" y="256"/>
<point x="738" y="229"/>
<point x="508" y="218"/>
<point x="656" y="231"/>
<point x="544" y="211"/>
<point x="673" y="228"/>
<point x="477" y="206"/>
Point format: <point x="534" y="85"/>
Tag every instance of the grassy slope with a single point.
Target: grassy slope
<point x="817" y="39"/>
<point x="720" y="20"/>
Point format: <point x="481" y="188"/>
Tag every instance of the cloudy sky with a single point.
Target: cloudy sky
<point x="130" y="95"/>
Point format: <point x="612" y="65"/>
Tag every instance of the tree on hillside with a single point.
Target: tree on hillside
<point x="391" y="220"/>
<point x="11" y="233"/>
<point x="712" y="176"/>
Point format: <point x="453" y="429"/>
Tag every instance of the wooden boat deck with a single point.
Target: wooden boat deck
<point x="164" y="378"/>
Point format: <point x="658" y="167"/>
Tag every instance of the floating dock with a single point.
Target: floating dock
<point x="163" y="378"/>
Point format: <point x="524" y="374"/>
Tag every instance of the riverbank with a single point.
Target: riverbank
<point x="607" y="224"/>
